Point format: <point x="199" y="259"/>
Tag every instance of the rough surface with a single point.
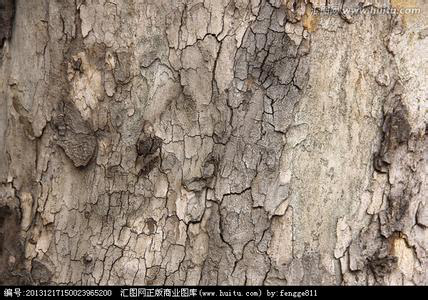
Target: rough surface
<point x="213" y="142"/>
<point x="74" y="134"/>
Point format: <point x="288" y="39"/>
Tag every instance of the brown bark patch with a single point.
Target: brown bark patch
<point x="7" y="13"/>
<point x="12" y="267"/>
<point x="75" y="136"/>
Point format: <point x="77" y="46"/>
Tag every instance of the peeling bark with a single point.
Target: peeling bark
<point x="212" y="142"/>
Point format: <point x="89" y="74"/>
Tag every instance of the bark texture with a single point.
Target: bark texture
<point x="212" y="142"/>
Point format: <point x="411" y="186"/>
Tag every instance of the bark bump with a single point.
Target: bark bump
<point x="75" y="136"/>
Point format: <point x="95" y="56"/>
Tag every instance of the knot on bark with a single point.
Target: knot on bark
<point x="148" y="149"/>
<point x="74" y="134"/>
<point x="148" y="144"/>
<point x="7" y="13"/>
<point x="396" y="131"/>
<point x="382" y="266"/>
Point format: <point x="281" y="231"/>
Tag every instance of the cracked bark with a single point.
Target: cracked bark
<point x="211" y="142"/>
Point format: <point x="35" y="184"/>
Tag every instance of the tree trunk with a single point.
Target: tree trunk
<point x="212" y="142"/>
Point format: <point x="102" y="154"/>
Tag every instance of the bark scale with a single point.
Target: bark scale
<point x="212" y="142"/>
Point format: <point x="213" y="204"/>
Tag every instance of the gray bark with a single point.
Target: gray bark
<point x="212" y="142"/>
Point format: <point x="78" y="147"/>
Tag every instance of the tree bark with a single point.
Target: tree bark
<point x="212" y="142"/>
